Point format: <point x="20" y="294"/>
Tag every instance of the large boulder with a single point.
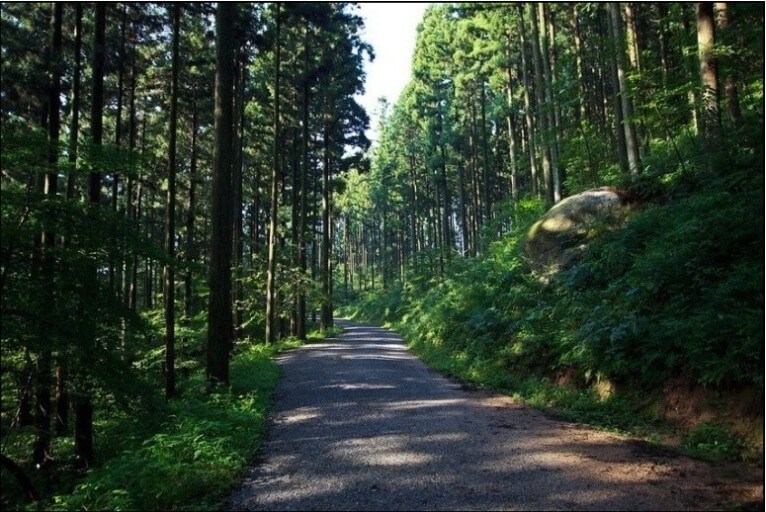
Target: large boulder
<point x="556" y="241"/>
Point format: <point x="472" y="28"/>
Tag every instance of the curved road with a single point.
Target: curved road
<point x="359" y="423"/>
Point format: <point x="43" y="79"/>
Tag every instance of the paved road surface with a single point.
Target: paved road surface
<point x="361" y="424"/>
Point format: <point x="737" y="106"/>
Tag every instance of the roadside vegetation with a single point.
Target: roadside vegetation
<point x="674" y="296"/>
<point x="182" y="454"/>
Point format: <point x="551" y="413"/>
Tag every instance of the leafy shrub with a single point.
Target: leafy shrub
<point x="713" y="442"/>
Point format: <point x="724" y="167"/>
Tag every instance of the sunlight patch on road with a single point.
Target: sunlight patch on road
<point x="299" y="415"/>
<point x="387" y="450"/>
<point x="362" y="386"/>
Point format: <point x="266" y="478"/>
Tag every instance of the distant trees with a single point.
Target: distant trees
<point x="514" y="101"/>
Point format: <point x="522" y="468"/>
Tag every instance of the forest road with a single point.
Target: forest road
<point x="359" y="423"/>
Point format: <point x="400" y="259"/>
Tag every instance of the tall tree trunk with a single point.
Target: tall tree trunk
<point x="619" y="131"/>
<point x="74" y="126"/>
<point x="130" y="262"/>
<point x="728" y="28"/>
<point x="43" y="406"/>
<point x="137" y="217"/>
<point x="486" y="196"/>
<point x="191" y="249"/>
<point x="582" y="89"/>
<point x="631" y="138"/>
<point x="512" y="152"/>
<point x="238" y="247"/>
<point x="62" y="398"/>
<point x="541" y="106"/>
<point x="271" y="292"/>
<point x="220" y="314"/>
<point x="326" y="320"/>
<point x="301" y="313"/>
<point x="170" y="215"/>
<point x="711" y="114"/>
<point x="466" y="249"/>
<point x="548" y="52"/>
<point x="528" y="109"/>
<point x="631" y="38"/>
<point x="83" y="430"/>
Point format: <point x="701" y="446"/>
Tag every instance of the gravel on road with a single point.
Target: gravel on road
<point x="359" y="423"/>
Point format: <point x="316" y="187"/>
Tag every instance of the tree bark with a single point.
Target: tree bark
<point x="708" y="69"/>
<point x="548" y="65"/>
<point x="220" y="314"/>
<point x="74" y="126"/>
<point x="170" y="214"/>
<point x="541" y="105"/>
<point x="512" y="139"/>
<point x="528" y="110"/>
<point x="83" y="429"/>
<point x="271" y="293"/>
<point x="631" y="138"/>
<point x="191" y="253"/>
<point x="326" y="321"/>
<point x="301" y="313"/>
<point x="43" y="406"/>
<point x="237" y="143"/>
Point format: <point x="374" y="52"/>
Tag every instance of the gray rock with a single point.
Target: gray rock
<point x="562" y="234"/>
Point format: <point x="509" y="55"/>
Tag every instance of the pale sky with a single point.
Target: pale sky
<point x="391" y="29"/>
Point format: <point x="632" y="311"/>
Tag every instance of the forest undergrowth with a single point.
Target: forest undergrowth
<point x="665" y="311"/>
<point x="181" y="454"/>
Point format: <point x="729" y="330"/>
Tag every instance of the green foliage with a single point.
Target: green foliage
<point x="678" y="290"/>
<point x="713" y="442"/>
<point x="199" y="449"/>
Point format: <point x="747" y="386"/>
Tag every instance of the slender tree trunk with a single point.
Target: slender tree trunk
<point x="541" y="106"/>
<point x="301" y="327"/>
<point x="582" y="89"/>
<point x="170" y="215"/>
<point x="271" y="292"/>
<point x="708" y="70"/>
<point x="62" y="398"/>
<point x="137" y="217"/>
<point x="237" y="151"/>
<point x="74" y="126"/>
<point x="466" y="249"/>
<point x="191" y="252"/>
<point x="528" y="110"/>
<point x="631" y="138"/>
<point x="83" y="430"/>
<point x="43" y="406"/>
<point x="326" y="321"/>
<point x="548" y="52"/>
<point x="220" y="315"/>
<point x="486" y="196"/>
<point x="130" y="260"/>
<point x="619" y="131"/>
<point x="728" y="28"/>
